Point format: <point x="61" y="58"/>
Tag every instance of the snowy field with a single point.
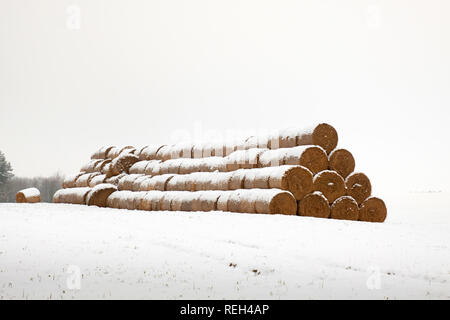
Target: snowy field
<point x="178" y="255"/>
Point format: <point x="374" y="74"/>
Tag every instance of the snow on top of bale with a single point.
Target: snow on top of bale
<point x="30" y="192"/>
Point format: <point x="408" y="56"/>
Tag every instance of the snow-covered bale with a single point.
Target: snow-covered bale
<point x="181" y="150"/>
<point x="139" y="167"/>
<point x="71" y="195"/>
<point x="206" y="201"/>
<point x="180" y="183"/>
<point x="345" y="208"/>
<point x="330" y="184"/>
<point x="115" y="179"/>
<point x="342" y="161"/>
<point x="297" y="180"/>
<point x="99" y="194"/>
<point x="90" y="166"/>
<point x="243" y="159"/>
<point x="222" y="202"/>
<point x="171" y="166"/>
<point x="269" y="201"/>
<point x="153" y="168"/>
<point x="149" y="152"/>
<point x="139" y="183"/>
<point x="98" y="179"/>
<point x="236" y="180"/>
<point x="85" y="179"/>
<point x="210" y="164"/>
<point x="323" y="135"/>
<point x="312" y="157"/>
<point x="70" y="180"/>
<point x="358" y="186"/>
<point x="314" y="205"/>
<point x="127" y="181"/>
<point x="151" y="201"/>
<point x="156" y="183"/>
<point x="123" y="163"/>
<point x="373" y="209"/>
<point x="163" y="153"/>
<point x="102" y="153"/>
<point x="29" y="195"/>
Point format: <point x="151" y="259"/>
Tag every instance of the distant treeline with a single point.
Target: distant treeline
<point x="46" y="185"/>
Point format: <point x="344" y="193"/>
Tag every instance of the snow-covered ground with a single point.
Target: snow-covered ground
<point x="160" y="255"/>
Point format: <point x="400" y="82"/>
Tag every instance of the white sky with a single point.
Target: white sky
<point x="142" y="72"/>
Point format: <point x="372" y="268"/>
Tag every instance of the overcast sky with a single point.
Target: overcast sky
<point x="75" y="75"/>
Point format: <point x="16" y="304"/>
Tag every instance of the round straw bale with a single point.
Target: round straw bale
<point x="159" y="182"/>
<point x="212" y="164"/>
<point x="358" y="186"/>
<point x="126" y="200"/>
<point x="117" y="151"/>
<point x="237" y="180"/>
<point x="149" y="152"/>
<point x="127" y="181"/>
<point x="71" y="195"/>
<point x="69" y="181"/>
<point x="99" y="166"/>
<point x="89" y="166"/>
<point x="218" y="149"/>
<point x="345" y="208"/>
<point x="314" y="205"/>
<point x="138" y="182"/>
<point x="139" y="167"/>
<point x="287" y="138"/>
<point x="153" y="168"/>
<point x="181" y="150"/>
<point x="241" y="201"/>
<point x="123" y="163"/>
<point x="170" y="166"/>
<point x="222" y="202"/>
<point x="342" y="161"/>
<point x="208" y="200"/>
<point x="101" y="153"/>
<point x="270" y="158"/>
<point x="243" y="159"/>
<point x="107" y="169"/>
<point x="312" y="157"/>
<point x="177" y="183"/>
<point x="197" y="151"/>
<point x="274" y="201"/>
<point x="177" y="200"/>
<point x="137" y="200"/>
<point x="190" y="166"/>
<point x="255" y="179"/>
<point x="234" y="201"/>
<point x="325" y="136"/>
<point x="127" y="149"/>
<point x="166" y="200"/>
<point x="113" y="200"/>
<point x="99" y="179"/>
<point x="115" y="179"/>
<point x="29" y="195"/>
<point x="207" y="150"/>
<point x="163" y="153"/>
<point x="297" y="180"/>
<point x="151" y="201"/>
<point x="373" y="209"/>
<point x="330" y="183"/>
<point x="85" y="179"/>
<point x="99" y="194"/>
<point x="201" y="180"/>
<point x="221" y="181"/>
<point x="114" y="152"/>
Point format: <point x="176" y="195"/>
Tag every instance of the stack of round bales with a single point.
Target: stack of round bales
<point x="257" y="174"/>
